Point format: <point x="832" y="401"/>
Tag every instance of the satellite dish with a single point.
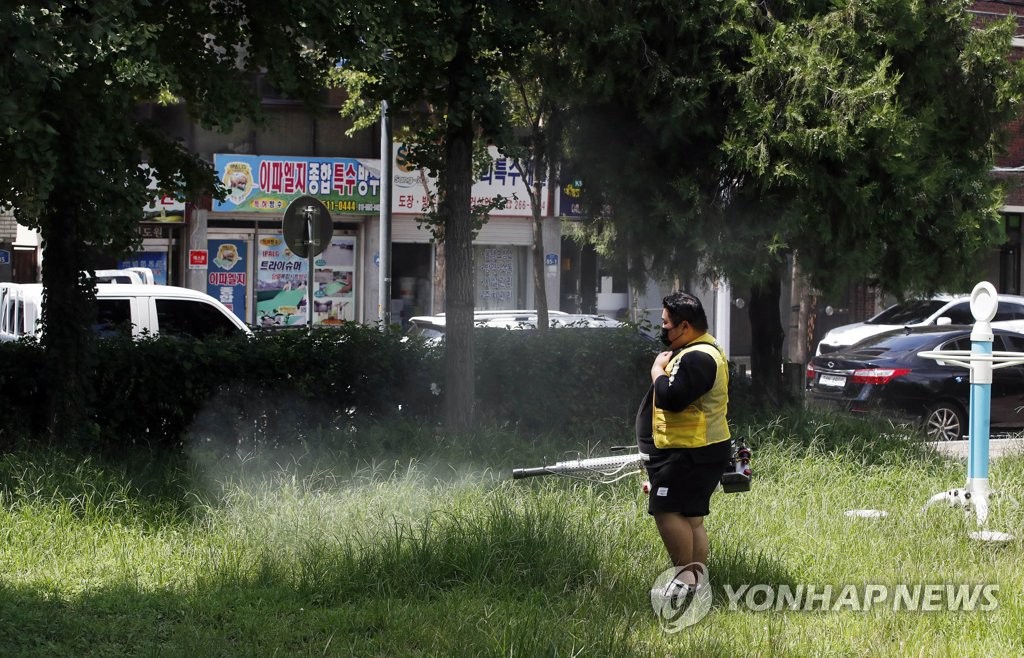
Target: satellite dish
<point x="301" y="214"/>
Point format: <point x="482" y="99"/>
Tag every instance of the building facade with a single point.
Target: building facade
<point x="235" y="250"/>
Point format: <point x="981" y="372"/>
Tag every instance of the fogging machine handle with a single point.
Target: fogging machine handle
<point x="598" y="469"/>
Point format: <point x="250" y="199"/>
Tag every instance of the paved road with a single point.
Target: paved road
<point x="996" y="447"/>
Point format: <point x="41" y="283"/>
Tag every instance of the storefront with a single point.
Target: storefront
<point x="502" y="249"/>
<point x="501" y="256"/>
<point x="247" y="264"/>
<point x="160" y="251"/>
<point x="162" y="231"/>
<point x="235" y="249"/>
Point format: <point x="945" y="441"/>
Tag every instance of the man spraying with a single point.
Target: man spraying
<point x="681" y="425"/>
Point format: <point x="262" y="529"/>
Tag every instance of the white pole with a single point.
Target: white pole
<point x="723" y="314"/>
<point x="384" y="268"/>
<point x="309" y="265"/>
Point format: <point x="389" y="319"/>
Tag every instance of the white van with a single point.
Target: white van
<point x="125" y="275"/>
<point x="122" y="308"/>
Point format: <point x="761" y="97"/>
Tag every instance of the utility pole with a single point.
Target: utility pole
<point x="384" y="269"/>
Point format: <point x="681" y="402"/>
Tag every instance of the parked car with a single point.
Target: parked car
<point x="431" y="327"/>
<point x="573" y="320"/>
<point x="940" y="309"/>
<point x="128" y="308"/>
<point x="885" y="374"/>
<point x="433" y="331"/>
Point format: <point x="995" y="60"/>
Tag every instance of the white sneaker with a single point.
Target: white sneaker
<point x="673" y="593"/>
<point x="677" y="604"/>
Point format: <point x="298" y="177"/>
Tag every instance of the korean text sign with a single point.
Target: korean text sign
<point x="227" y="274"/>
<point x="412" y="187"/>
<point x="267" y="184"/>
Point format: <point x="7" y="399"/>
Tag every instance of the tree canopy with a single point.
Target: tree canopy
<point x="859" y="134"/>
<point x="873" y="128"/>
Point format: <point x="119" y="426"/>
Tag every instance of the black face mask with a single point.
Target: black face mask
<point x="664" y="337"/>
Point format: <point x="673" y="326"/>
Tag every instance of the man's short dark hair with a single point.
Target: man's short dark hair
<point x="684" y="307"/>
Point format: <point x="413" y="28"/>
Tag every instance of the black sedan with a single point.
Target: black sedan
<point x="884" y="374"/>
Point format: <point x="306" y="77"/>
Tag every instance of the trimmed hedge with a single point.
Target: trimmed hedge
<point x="569" y="380"/>
<point x="22" y="398"/>
<point x="162" y="391"/>
<point x="289" y="386"/>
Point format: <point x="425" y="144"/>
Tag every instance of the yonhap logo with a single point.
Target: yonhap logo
<point x="931" y="597"/>
<point x="679" y="606"/>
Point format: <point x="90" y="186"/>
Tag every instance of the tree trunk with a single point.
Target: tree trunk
<point x="67" y="317"/>
<point x="798" y="320"/>
<point x="540" y="290"/>
<point x="460" y="393"/>
<point x="440" y="267"/>
<point x="766" y="344"/>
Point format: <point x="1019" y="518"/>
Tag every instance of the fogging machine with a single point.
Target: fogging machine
<point x="606" y="470"/>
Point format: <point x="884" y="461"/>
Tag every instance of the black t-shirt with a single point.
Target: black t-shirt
<point x="693" y="377"/>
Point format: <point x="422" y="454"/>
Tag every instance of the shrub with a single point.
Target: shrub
<point x="22" y="397"/>
<point x="153" y="390"/>
<point x="565" y="380"/>
<point x="298" y="386"/>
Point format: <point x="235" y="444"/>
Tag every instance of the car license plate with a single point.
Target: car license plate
<point x="832" y="380"/>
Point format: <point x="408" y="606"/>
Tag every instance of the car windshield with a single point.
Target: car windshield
<point x="425" y="331"/>
<point x="909" y="312"/>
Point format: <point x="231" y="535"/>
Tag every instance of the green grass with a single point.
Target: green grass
<point x="400" y="541"/>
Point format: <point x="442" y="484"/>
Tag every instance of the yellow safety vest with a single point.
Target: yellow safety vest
<point x="703" y="422"/>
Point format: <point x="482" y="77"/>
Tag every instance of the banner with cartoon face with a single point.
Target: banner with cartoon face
<point x="267" y="184"/>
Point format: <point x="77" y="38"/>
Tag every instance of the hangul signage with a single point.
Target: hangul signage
<point x="267" y="184"/>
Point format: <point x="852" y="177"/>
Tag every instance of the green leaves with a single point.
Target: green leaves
<point x="849" y="118"/>
<point x="860" y="134"/>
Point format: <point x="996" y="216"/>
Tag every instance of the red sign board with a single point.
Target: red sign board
<point x="198" y="259"/>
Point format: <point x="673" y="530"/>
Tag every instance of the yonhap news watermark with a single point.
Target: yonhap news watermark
<point x="918" y="597"/>
<point x="678" y="607"/>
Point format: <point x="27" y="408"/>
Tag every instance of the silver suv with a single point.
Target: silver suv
<point x="432" y="327"/>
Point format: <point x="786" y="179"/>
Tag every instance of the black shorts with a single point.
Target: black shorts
<point x="684" y="483"/>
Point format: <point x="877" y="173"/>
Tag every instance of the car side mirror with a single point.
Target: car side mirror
<point x="943" y="321"/>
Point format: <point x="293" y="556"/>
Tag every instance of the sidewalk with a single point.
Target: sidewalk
<point x="996" y="447"/>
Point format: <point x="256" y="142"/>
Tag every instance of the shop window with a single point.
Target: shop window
<point x="156" y="261"/>
<point x="282" y="280"/>
<point x="411" y="277"/>
<point x="612" y="278"/>
<point x="500" y="277"/>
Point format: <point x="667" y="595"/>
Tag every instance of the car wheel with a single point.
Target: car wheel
<point x="945" y="421"/>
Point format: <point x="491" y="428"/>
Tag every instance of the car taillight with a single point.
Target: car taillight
<point x="810" y="371"/>
<point x="878" y="375"/>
